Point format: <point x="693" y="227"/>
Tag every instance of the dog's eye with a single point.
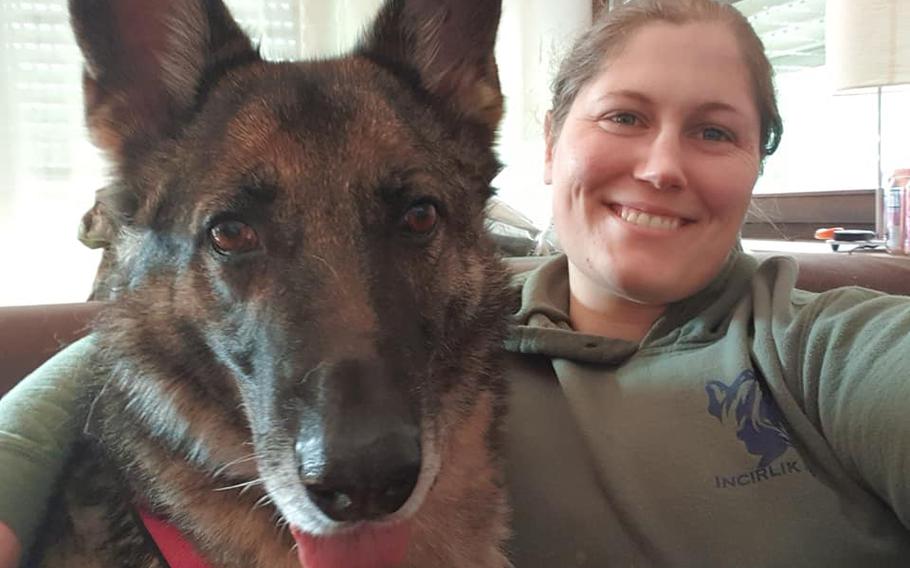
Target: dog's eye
<point x="420" y="218"/>
<point x="233" y="237"/>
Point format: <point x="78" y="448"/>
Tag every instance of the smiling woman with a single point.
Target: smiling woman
<point x="652" y="169"/>
<point x="658" y="334"/>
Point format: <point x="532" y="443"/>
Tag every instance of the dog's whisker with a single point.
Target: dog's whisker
<point x="307" y="375"/>
<point x="327" y="264"/>
<point x="220" y="471"/>
<point x="243" y="486"/>
<point x="281" y="524"/>
<point x="263" y="501"/>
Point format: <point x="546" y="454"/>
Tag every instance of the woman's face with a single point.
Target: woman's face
<point x="654" y="166"/>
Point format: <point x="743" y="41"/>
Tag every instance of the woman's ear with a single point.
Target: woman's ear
<point x="548" y="155"/>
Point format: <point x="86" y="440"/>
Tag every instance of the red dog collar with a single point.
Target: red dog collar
<point x="176" y="550"/>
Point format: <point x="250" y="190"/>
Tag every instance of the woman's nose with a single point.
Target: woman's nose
<point x="661" y="165"/>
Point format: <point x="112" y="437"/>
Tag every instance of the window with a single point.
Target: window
<point x="826" y="170"/>
<point x="49" y="170"/>
<point x="830" y="139"/>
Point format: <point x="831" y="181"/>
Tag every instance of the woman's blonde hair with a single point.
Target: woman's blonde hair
<point x="612" y="29"/>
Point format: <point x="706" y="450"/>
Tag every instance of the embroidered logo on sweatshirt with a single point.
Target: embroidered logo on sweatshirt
<point x="759" y="424"/>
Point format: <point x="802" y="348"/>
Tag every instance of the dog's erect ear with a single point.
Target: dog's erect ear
<point x="148" y="63"/>
<point x="449" y="45"/>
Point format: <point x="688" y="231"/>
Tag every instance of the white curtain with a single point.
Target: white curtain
<point x="533" y="35"/>
<point x="48" y="169"/>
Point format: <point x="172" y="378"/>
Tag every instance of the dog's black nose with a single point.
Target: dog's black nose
<point x="344" y="500"/>
<point x="359" y="442"/>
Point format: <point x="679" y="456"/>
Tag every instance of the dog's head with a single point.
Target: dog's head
<point x="302" y="262"/>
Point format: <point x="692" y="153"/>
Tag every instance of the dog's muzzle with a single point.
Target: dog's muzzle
<point x="358" y="447"/>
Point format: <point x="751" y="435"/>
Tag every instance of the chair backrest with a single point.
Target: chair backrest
<point x="29" y="335"/>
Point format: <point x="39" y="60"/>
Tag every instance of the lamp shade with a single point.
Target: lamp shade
<point x="867" y="42"/>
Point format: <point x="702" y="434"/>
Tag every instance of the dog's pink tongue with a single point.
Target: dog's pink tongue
<point x="369" y="547"/>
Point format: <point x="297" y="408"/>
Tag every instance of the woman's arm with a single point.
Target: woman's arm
<point x="847" y="353"/>
<point x="39" y="422"/>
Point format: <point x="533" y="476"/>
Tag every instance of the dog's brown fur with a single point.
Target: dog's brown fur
<point x="206" y="356"/>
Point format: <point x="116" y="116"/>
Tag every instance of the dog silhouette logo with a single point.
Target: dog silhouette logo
<point x="758" y="422"/>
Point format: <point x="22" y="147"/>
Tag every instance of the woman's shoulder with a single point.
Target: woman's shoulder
<point x="54" y="389"/>
<point x="40" y="418"/>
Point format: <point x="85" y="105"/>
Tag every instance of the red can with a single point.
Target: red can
<point x="899" y="187"/>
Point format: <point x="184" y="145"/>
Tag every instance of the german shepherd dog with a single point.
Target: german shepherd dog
<point x="299" y="368"/>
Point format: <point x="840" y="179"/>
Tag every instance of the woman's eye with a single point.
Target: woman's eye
<point x="714" y="134"/>
<point x="420" y="218"/>
<point x="624" y="118"/>
<point x="233" y="237"/>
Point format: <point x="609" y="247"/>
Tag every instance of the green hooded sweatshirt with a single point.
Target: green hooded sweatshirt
<point x="754" y="425"/>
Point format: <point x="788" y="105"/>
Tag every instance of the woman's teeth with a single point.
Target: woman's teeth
<point x="642" y="219"/>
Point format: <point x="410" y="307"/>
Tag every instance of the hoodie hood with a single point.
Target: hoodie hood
<point x="541" y="325"/>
